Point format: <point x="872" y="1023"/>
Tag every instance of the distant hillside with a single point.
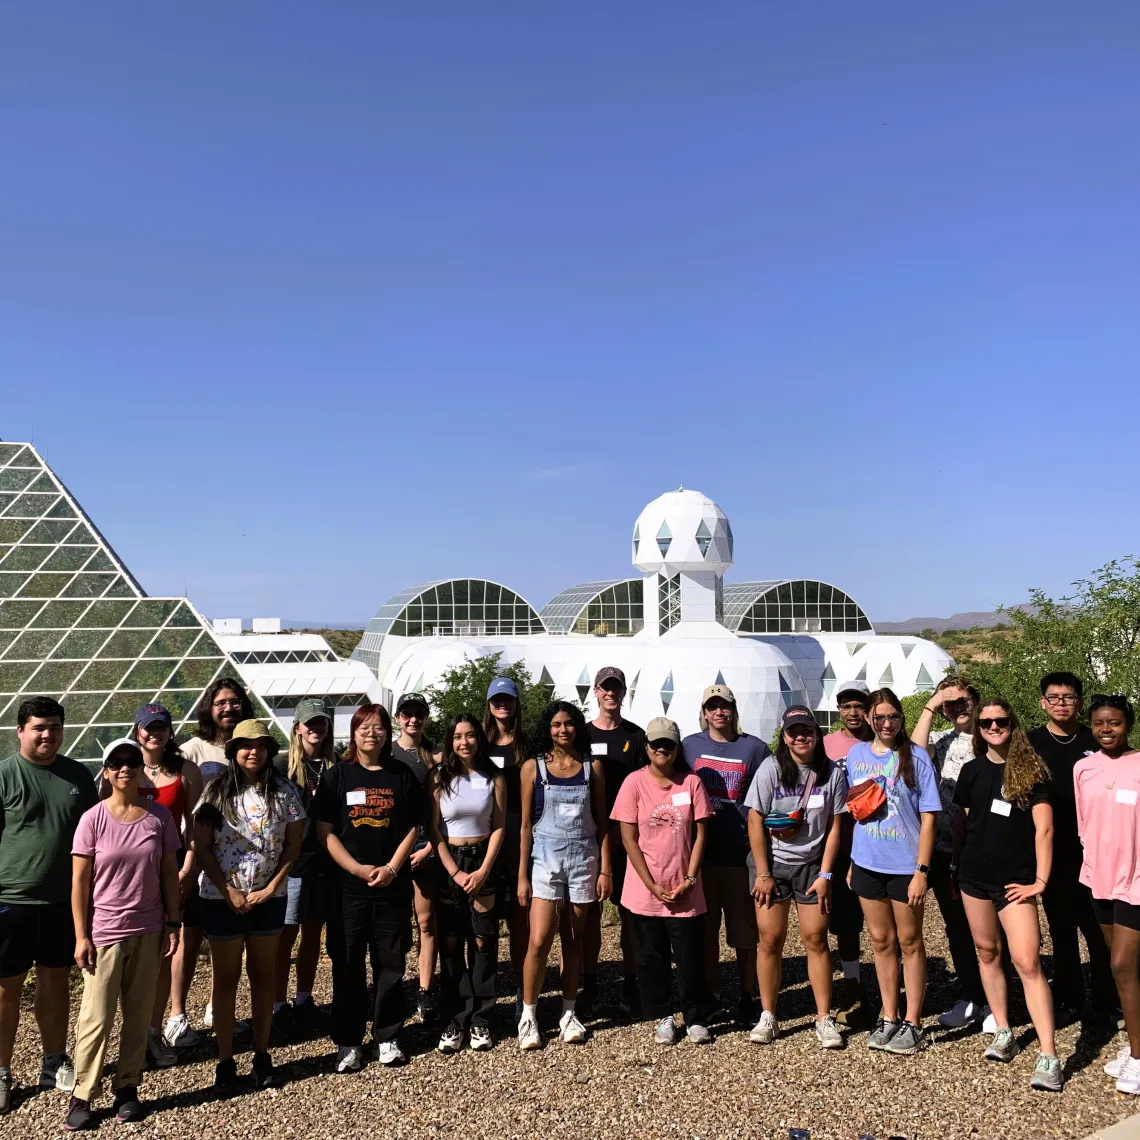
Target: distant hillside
<point x="976" y="619"/>
<point x="343" y="641"/>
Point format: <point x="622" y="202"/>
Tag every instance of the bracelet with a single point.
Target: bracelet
<point x="454" y="873"/>
<point x="395" y="873"/>
<point x="691" y="880"/>
<point x="1043" y="882"/>
<point x="604" y="875"/>
<point x="764" y="876"/>
<point x="927" y="708"/>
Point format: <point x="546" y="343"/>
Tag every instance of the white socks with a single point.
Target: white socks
<point x="851" y="971"/>
<point x="530" y="1011"/>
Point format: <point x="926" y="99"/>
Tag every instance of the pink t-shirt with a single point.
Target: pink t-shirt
<point x="664" y="818"/>
<point x="1108" y="819"/>
<point x="837" y="744"/>
<point x="126" y="884"/>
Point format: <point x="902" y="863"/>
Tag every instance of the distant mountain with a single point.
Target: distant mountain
<point x="974" y="619"/>
<point x="291" y="623"/>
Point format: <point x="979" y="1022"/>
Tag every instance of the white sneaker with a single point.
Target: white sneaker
<point x="989" y="1022"/>
<point x="827" y="1033"/>
<point x="451" y="1039"/>
<point x="158" y="1052"/>
<point x="349" y="1059"/>
<point x="529" y="1036"/>
<point x="1129" y="1079"/>
<point x="666" y="1031"/>
<point x="765" y="1031"/>
<point x="241" y="1024"/>
<point x="1112" y="1069"/>
<point x="389" y="1053"/>
<point x="480" y="1038"/>
<point x="178" y="1034"/>
<point x="571" y="1030"/>
<point x="208" y="1016"/>
<point x="699" y="1035"/>
<point x="963" y="1013"/>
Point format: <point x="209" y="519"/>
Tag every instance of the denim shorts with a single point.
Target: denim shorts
<point x="307" y="898"/>
<point x="564" y="870"/>
<point x="224" y="925"/>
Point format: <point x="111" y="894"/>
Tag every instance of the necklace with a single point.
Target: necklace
<point x="1064" y="739"/>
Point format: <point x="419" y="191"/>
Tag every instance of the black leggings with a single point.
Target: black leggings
<point x="469" y="931"/>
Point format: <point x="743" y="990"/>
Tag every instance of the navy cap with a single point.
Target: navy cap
<point x="503" y="686"/>
<point x="153" y="714"/>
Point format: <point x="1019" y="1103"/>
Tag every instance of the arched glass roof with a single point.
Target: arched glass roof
<point x="611" y="607"/>
<point x="450" y="606"/>
<point x="792" y="605"/>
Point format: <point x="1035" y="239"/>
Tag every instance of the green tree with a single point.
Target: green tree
<point x="463" y="688"/>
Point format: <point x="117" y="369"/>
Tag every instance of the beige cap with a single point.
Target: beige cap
<point x="662" y="728"/>
<point x="722" y="691"/>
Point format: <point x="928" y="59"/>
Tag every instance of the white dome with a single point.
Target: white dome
<point x="682" y="530"/>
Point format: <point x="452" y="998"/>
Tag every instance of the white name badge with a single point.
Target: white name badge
<point x="815" y="800"/>
<point x="567" y="811"/>
<point x="683" y="799"/>
<point x="598" y="749"/>
<point x="355" y="798"/>
<point x="1126" y="796"/>
<point x="1000" y="807"/>
<point x="499" y="761"/>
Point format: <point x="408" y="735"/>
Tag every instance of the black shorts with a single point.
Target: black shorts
<point x="35" y="936"/>
<point x="877" y="886"/>
<point x="457" y="913"/>
<point x="425" y="875"/>
<point x="1113" y="912"/>
<point x="986" y="891"/>
<point x="225" y="925"/>
<point x="846" y="915"/>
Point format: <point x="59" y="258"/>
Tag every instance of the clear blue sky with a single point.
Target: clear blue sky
<point x="309" y="302"/>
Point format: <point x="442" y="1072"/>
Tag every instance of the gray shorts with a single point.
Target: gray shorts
<point x="791" y="882"/>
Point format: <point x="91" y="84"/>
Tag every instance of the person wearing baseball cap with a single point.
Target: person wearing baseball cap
<point x="310" y="755"/>
<point x="620" y="745"/>
<point x="663" y="811"/>
<point x="853" y="1001"/>
<point x="727" y="760"/>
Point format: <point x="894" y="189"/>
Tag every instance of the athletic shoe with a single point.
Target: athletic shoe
<point x="880" y="1036"/>
<point x="529" y="1036"/>
<point x="178" y="1034"/>
<point x="587" y="999"/>
<point x="629" y="1004"/>
<point x="1112" y="1069"/>
<point x="906" y="1040"/>
<point x="699" y="1035"/>
<point x="78" y="1116"/>
<point x="853" y="1008"/>
<point x="666" y="1031"/>
<point x="158" y="1054"/>
<point x="241" y="1024"/>
<point x="989" y="1022"/>
<point x="226" y="1077"/>
<point x="261" y="1070"/>
<point x="5" y="1091"/>
<point x="765" y="1031"/>
<point x="426" y="1007"/>
<point x="390" y="1053"/>
<point x="1129" y="1079"/>
<point x="1002" y="1047"/>
<point x="283" y="1024"/>
<point x="964" y="1013"/>
<point x="57" y="1072"/>
<point x="827" y="1034"/>
<point x="349" y="1059"/>
<point x="128" y="1108"/>
<point x="451" y="1039"/>
<point x="747" y="1010"/>
<point x="571" y="1030"/>
<point x="208" y="1017"/>
<point x="714" y="1007"/>
<point x="480" y="1038"/>
<point x="1047" y="1074"/>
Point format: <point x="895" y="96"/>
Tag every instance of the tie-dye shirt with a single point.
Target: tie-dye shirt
<point x="888" y="841"/>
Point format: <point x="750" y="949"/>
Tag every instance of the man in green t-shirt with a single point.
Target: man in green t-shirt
<point x="42" y="796"/>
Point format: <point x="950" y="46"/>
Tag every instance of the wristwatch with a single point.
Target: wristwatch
<point x="691" y="880"/>
<point x="825" y="875"/>
<point x="922" y="869"/>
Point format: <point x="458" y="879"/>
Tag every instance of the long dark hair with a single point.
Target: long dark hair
<point x="902" y="741"/>
<point x="491" y="731"/>
<point x="540" y="742"/>
<point x="172" y="758"/>
<point x="207" y="727"/>
<point x="223" y="793"/>
<point x="789" y="769"/>
<point x="450" y="768"/>
<point x="358" y="718"/>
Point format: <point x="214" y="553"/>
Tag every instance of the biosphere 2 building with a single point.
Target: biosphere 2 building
<point x="674" y="629"/>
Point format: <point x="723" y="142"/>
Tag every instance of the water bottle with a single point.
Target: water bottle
<point x="799" y="1134"/>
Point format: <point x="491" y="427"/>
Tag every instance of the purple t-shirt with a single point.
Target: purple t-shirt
<point x="126" y="885"/>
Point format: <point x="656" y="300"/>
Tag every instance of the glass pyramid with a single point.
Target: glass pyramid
<point x="76" y="626"/>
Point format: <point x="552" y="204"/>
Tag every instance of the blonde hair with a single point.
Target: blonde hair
<point x="297" y="754"/>
<point x="1024" y="769"/>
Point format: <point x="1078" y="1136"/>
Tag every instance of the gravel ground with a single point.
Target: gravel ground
<point x="621" y="1083"/>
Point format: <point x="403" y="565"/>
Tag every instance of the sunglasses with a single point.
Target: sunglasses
<point x="663" y="746"/>
<point x="961" y="703"/>
<point x="993" y="722"/>
<point x="1112" y="700"/>
<point x="117" y="765"/>
<point x="799" y="731"/>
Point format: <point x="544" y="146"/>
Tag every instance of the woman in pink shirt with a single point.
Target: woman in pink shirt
<point x="1107" y="787"/>
<point x="662" y="814"/>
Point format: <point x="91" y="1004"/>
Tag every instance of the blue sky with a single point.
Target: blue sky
<point x="311" y="302"/>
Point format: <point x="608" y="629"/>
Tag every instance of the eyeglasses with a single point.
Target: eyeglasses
<point x="235" y="704"/>
<point x="1062" y="699"/>
<point x="887" y="718"/>
<point x="371" y="732"/>
<point x="663" y="746"/>
<point x="853" y="706"/>
<point x="993" y="722"/>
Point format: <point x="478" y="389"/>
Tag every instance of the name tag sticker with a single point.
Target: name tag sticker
<point x="683" y="799"/>
<point x="499" y="761"/>
<point x="598" y="749"/>
<point x="815" y="800"/>
<point x="567" y="811"/>
<point x="1001" y="807"/>
<point x="355" y="798"/>
<point x="1126" y="796"/>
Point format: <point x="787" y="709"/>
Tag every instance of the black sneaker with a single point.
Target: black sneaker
<point x="128" y="1108"/>
<point x="587" y="998"/>
<point x="747" y="1012"/>
<point x="629" y="1004"/>
<point x="226" y="1077"/>
<point x="78" y="1116"/>
<point x="307" y="1016"/>
<point x="426" y="1007"/>
<point x="261" y="1070"/>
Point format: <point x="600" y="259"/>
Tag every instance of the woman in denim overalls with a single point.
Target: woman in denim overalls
<point x="563" y="797"/>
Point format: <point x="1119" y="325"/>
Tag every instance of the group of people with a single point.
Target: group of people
<point x="260" y="850"/>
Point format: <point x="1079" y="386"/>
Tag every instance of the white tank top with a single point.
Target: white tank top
<point x="466" y="809"/>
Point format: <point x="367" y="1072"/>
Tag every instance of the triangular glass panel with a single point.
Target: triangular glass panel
<point x="853" y="647"/>
<point x="828" y="673"/>
<point x="907" y="648"/>
<point x="924" y="681"/>
<point x="583" y="693"/>
<point x="633" y="686"/>
<point x="704" y="538"/>
<point x="720" y="678"/>
<point x="584" y="678"/>
<point x="784" y="686"/>
<point x="664" y="538"/>
<point x="545" y="678"/>
<point x="728" y="531"/>
<point x="636" y="539"/>
<point x="888" y="677"/>
<point x="667" y="692"/>
<point x="829" y="687"/>
<point x="862" y="674"/>
<point x="418" y="687"/>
